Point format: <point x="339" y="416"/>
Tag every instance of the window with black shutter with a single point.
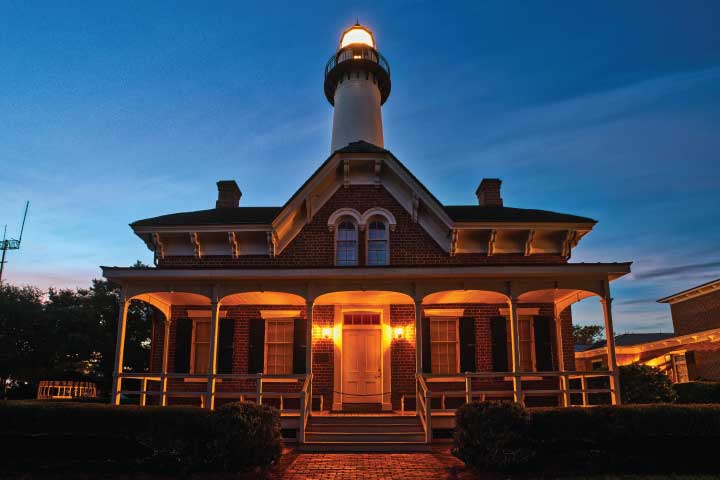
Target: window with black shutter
<point x="467" y="344"/>
<point x="256" y="346"/>
<point x="183" y="339"/>
<point x="226" y="345"/>
<point x="542" y="329"/>
<point x="499" y="339"/>
<point x="299" y="360"/>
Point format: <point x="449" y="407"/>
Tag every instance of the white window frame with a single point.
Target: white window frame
<point x="357" y="241"/>
<point x="456" y="320"/>
<point x="268" y="321"/>
<point x="193" y="343"/>
<point x="385" y="222"/>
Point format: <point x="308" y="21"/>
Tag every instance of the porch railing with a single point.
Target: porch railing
<point x="156" y="385"/>
<point x="565" y="391"/>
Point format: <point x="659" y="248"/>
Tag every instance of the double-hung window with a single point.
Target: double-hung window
<point x="346" y="244"/>
<point x="377" y="243"/>
<point x="444" y="350"/>
<point x="526" y="341"/>
<point x="200" y="346"/>
<point x="279" y="347"/>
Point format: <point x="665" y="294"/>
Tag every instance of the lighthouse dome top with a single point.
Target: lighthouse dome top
<point x="357" y="35"/>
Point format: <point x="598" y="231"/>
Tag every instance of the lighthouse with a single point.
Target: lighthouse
<point x="357" y="84"/>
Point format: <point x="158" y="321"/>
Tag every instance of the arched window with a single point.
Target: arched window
<point x="377" y="243"/>
<point x="346" y="243"/>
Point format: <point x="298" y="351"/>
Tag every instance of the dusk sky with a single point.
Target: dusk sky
<point x="116" y="112"/>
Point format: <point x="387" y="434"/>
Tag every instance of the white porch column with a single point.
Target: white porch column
<point x="124" y="303"/>
<point x="309" y="338"/>
<point x="561" y="356"/>
<point x="165" y="363"/>
<point x="418" y="337"/>
<point x="515" y="340"/>
<point x="610" y="339"/>
<point x="212" y="360"/>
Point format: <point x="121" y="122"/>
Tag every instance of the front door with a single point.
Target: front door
<point x="362" y="366"/>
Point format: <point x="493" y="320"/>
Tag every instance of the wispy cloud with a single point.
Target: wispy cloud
<point x="679" y="269"/>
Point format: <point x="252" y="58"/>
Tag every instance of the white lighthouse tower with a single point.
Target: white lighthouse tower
<point x="357" y="83"/>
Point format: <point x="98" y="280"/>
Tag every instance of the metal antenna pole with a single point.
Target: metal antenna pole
<point x="11" y="243"/>
<point x="4" y="251"/>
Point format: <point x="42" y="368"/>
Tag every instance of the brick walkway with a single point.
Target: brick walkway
<point x="396" y="466"/>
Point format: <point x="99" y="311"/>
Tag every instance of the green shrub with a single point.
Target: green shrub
<point x="492" y="436"/>
<point x="644" y="384"/>
<point x="561" y="441"/>
<point x="164" y="439"/>
<point x="244" y="435"/>
<point x="697" y="392"/>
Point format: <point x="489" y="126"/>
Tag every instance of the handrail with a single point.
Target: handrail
<point x="564" y="390"/>
<point x="423" y="399"/>
<point x="258" y="394"/>
<point x="305" y="406"/>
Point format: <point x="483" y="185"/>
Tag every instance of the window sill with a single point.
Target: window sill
<point x="526" y="378"/>
<point x="280" y="380"/>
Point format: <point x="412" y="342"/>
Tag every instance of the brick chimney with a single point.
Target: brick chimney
<point x="488" y="193"/>
<point x="228" y="194"/>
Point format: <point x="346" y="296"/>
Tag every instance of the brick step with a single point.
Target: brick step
<point x="360" y="437"/>
<point x="364" y="419"/>
<point x="384" y="447"/>
<point x="364" y="427"/>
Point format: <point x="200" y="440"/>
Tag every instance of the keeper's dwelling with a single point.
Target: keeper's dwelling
<point x="363" y="292"/>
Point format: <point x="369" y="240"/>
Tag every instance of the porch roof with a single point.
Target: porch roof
<point x="611" y="270"/>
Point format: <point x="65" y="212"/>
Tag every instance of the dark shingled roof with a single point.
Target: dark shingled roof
<point x="477" y="213"/>
<point x="264" y="215"/>
<point x="214" y="216"/>
<point x="630" y="339"/>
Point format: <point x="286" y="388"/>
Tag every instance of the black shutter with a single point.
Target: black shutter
<point x="467" y="344"/>
<point x="256" y="347"/>
<point x="183" y="337"/>
<point x="426" y="358"/>
<point x="543" y="344"/>
<point x="299" y="346"/>
<point x="226" y="343"/>
<point x="498" y="334"/>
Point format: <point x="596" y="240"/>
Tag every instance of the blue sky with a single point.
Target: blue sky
<point x="115" y="112"/>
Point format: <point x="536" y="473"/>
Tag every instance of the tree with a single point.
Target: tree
<point x="25" y="336"/>
<point x="645" y="384"/>
<point x="69" y="334"/>
<point x="587" y="334"/>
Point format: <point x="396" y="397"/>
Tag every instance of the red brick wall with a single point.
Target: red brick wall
<point x="696" y="314"/>
<point x="410" y="245"/>
<point x="402" y="353"/>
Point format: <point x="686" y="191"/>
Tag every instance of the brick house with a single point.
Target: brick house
<point x="363" y="292"/>
<point x="692" y="352"/>
<point x="696" y="313"/>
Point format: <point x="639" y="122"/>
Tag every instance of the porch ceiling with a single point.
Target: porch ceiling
<point x="263" y="298"/>
<point x="464" y="296"/>
<point x="369" y="297"/>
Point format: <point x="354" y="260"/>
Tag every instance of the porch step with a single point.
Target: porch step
<point x="379" y="419"/>
<point x="350" y="447"/>
<point x="364" y="433"/>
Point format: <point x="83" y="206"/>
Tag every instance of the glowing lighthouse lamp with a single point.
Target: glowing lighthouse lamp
<point x="357" y="83"/>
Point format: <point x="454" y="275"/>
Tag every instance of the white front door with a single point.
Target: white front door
<point x="362" y="367"/>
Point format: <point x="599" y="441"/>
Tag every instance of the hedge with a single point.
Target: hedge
<point x="697" y="392"/>
<point x="632" y="439"/>
<point x="65" y="436"/>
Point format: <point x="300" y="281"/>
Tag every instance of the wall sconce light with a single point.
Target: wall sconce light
<point x="326" y="333"/>
<point x="399" y="333"/>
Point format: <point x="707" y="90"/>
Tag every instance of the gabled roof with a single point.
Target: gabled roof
<point x="266" y="215"/>
<point x="705" y="288"/>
